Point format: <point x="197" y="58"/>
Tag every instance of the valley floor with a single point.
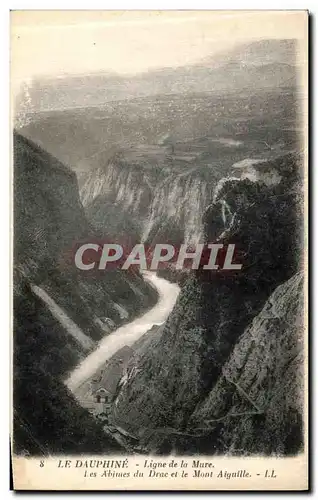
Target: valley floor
<point x="80" y="379"/>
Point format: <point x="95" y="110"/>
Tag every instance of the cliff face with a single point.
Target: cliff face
<point x="259" y="396"/>
<point x="149" y="194"/>
<point x="49" y="224"/>
<point x="47" y="419"/>
<point x="147" y="166"/>
<point x="53" y="301"/>
<point x="168" y="380"/>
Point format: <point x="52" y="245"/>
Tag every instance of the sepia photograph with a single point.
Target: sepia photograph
<point x="159" y="281"/>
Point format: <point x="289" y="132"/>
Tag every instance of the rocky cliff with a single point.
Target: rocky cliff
<point x="147" y="166"/>
<point x="56" y="306"/>
<point x="259" y="397"/>
<point x="46" y="417"/>
<point x="49" y="225"/>
<point x="149" y="195"/>
<point x="167" y="381"/>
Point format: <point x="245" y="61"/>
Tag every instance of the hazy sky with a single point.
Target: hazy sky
<point x="59" y="42"/>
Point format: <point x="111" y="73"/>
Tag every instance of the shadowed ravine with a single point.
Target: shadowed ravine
<point x="129" y="333"/>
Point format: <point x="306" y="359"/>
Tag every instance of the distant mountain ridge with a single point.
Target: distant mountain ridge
<point x="281" y="51"/>
<point x="264" y="64"/>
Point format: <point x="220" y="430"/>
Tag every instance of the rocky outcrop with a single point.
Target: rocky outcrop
<point x="49" y="225"/>
<point x="167" y="381"/>
<point x="148" y="162"/>
<point x="149" y="194"/>
<point x="59" y="312"/>
<point x="259" y="397"/>
<point x="46" y="417"/>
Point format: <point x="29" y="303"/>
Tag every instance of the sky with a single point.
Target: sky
<point x="55" y="43"/>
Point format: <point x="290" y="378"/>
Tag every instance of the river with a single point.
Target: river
<point x="128" y="333"/>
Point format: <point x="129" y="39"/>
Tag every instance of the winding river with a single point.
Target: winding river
<point x="128" y="333"/>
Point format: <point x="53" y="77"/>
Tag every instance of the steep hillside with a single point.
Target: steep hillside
<point x="56" y="307"/>
<point x="158" y="199"/>
<point x="147" y="167"/>
<point x="169" y="379"/>
<point x="259" y="397"/>
<point x="47" y="419"/>
<point x="49" y="225"/>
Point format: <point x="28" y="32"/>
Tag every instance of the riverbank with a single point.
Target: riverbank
<point x="127" y="334"/>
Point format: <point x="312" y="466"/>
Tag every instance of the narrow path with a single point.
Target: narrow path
<point x="63" y="318"/>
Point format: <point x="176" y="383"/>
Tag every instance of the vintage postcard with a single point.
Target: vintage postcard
<point x="159" y="323"/>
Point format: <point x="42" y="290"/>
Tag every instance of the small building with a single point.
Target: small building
<point x="105" y="383"/>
